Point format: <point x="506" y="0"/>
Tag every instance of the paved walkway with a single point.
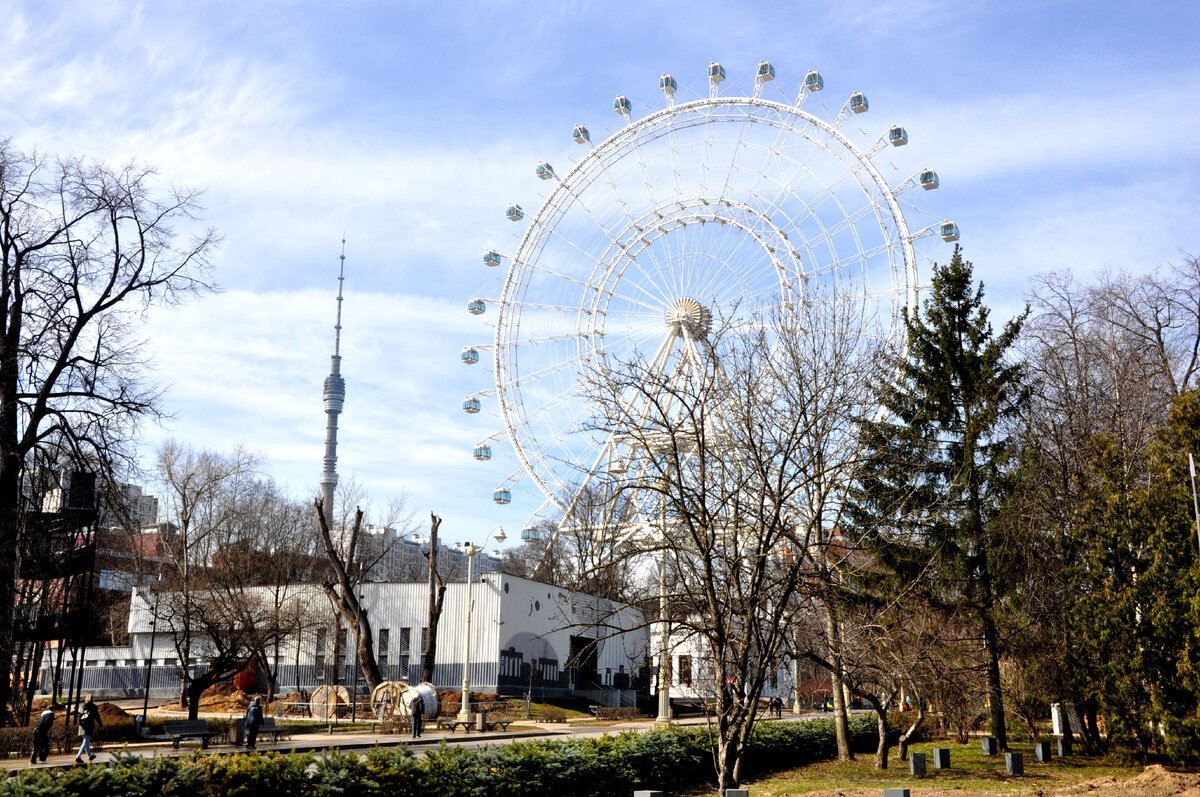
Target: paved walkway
<point x="318" y="742"/>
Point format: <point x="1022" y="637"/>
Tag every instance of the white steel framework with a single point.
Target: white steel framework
<point x="736" y="207"/>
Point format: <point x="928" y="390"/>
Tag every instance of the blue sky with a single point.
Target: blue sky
<point x="1065" y="135"/>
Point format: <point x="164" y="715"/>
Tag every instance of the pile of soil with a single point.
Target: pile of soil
<point x="109" y="712"/>
<point x="1155" y="781"/>
<point x="223" y="698"/>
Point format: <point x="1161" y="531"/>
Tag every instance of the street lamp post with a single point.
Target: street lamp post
<point x="149" y="660"/>
<point x="464" y="709"/>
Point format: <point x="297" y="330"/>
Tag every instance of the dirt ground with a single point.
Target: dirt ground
<point x="1154" y="781"/>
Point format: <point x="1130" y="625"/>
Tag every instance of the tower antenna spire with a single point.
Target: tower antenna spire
<point x="335" y="399"/>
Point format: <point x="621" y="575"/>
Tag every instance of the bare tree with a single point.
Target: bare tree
<point x="437" y="599"/>
<point x="739" y="456"/>
<point x="342" y="590"/>
<point x="84" y="249"/>
<point x="201" y="495"/>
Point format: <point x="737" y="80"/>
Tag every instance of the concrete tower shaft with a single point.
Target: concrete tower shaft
<point x="335" y="400"/>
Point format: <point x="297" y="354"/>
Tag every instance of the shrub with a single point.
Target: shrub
<point x="552" y="714"/>
<point x="579" y="767"/>
<point x="622" y="713"/>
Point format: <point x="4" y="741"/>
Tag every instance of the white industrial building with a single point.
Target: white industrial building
<point x="524" y="636"/>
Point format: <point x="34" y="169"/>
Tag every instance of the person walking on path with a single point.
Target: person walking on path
<point x="41" y="737"/>
<point x="254" y="720"/>
<point x="416" y="707"/>
<point x="89" y="723"/>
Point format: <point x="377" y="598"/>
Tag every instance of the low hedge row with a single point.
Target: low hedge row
<point x="582" y="767"/>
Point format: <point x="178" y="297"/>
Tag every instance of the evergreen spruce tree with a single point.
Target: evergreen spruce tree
<point x="932" y="492"/>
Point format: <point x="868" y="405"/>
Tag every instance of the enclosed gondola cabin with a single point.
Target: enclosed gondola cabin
<point x="858" y="102"/>
<point x="622" y="105"/>
<point x="545" y="171"/>
<point x="501" y="496"/>
<point x="469" y="356"/>
<point x="765" y="71"/>
<point x="716" y="72"/>
<point x="929" y="179"/>
<point x="530" y="534"/>
<point x="476" y="307"/>
<point x="813" y="81"/>
<point x="514" y="213"/>
<point x="667" y="84"/>
<point x="482" y="453"/>
<point x="581" y="134"/>
<point x="491" y="258"/>
<point x="949" y="231"/>
<point x="897" y="136"/>
<point x="471" y="405"/>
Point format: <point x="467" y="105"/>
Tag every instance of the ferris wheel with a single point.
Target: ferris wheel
<point x="728" y="206"/>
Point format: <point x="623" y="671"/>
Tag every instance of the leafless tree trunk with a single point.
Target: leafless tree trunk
<point x="437" y="597"/>
<point x="341" y="591"/>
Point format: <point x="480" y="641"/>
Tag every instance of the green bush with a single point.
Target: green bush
<point x="581" y="767"/>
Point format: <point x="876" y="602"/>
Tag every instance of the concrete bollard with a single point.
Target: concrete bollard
<point x="1064" y="747"/>
<point x="895" y="793"/>
<point x="737" y="793"/>
<point x="916" y="764"/>
<point x="647" y="794"/>
<point x="1014" y="763"/>
<point x="1041" y="752"/>
<point x="941" y="758"/>
<point x="989" y="745"/>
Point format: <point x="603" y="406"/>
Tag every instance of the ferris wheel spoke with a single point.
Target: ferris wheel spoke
<point x="717" y="208"/>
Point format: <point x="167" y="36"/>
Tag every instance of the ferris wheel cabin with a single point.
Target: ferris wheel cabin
<point x="716" y="72"/>
<point x="813" y="81"/>
<point x="469" y="356"/>
<point x="545" y="171"/>
<point x="471" y="405"/>
<point x="858" y="102"/>
<point x="529" y="533"/>
<point x="897" y="136"/>
<point x="501" y="496"/>
<point x="476" y="307"/>
<point x="765" y="71"/>
<point x="929" y="179"/>
<point x="514" y="213"/>
<point x="949" y="231"/>
<point x="482" y="453"/>
<point x="581" y="134"/>
<point x="622" y="105"/>
<point x="491" y="258"/>
<point x="667" y="84"/>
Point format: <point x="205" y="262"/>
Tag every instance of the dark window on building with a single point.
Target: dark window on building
<point x="319" y="660"/>
<point x="384" y="633"/>
<point x="403" y="653"/>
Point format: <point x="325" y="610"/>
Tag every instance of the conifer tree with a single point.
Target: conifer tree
<point x="931" y="495"/>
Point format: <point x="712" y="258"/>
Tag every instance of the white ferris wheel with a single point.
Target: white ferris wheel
<point x="720" y="205"/>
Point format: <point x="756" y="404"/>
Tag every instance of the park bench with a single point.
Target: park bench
<point x="178" y="730"/>
<point x="487" y="725"/>
<point x="269" y="728"/>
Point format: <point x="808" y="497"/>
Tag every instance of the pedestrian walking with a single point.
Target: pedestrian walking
<point x="89" y="724"/>
<point x="416" y="708"/>
<point x="41" y="737"/>
<point x="254" y="720"/>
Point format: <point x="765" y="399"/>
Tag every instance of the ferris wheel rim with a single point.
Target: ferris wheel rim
<point x="521" y="435"/>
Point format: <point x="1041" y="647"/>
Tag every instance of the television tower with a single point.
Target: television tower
<point x="335" y="398"/>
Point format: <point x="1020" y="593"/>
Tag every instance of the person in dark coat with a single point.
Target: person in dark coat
<point x="89" y="723"/>
<point x="41" y="737"/>
<point x="416" y="708"/>
<point x="254" y="720"/>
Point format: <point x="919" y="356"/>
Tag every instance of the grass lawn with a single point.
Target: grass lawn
<point x="970" y="772"/>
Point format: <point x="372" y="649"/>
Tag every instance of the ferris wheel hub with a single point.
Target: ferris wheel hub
<point x="688" y="314"/>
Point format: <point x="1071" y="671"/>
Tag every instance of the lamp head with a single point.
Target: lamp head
<point x="500" y="535"/>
